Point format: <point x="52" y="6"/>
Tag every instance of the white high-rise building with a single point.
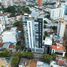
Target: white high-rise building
<point x="57" y="13"/>
<point x="32" y="32"/>
<point x="60" y="12"/>
<point x="28" y="31"/>
<point x="62" y="28"/>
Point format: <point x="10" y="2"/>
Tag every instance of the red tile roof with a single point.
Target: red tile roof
<point x="1" y="45"/>
<point x="11" y="46"/>
<point x="58" y="47"/>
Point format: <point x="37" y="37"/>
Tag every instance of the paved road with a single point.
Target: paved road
<point x="38" y="56"/>
<point x="46" y="65"/>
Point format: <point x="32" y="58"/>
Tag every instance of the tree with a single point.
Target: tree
<point x="54" y="28"/>
<point x="45" y="22"/>
<point x="17" y="10"/>
<point x="19" y="46"/>
<point x="47" y="58"/>
<point x="10" y="9"/>
<point x="44" y="26"/>
<point x="46" y="34"/>
<point x="19" y="25"/>
<point x="26" y="9"/>
<point x="15" y="61"/>
<point x="5" y="53"/>
<point x="47" y="16"/>
<point x="2" y="66"/>
<point x="27" y="55"/>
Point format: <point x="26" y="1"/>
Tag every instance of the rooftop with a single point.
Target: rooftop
<point x="4" y="63"/>
<point x="58" y="47"/>
<point x="1" y="45"/>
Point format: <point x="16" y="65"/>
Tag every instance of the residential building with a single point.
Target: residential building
<point x="4" y="62"/>
<point x="9" y="36"/>
<point x="39" y="31"/>
<point x="40" y="3"/>
<point x="32" y="63"/>
<point x="6" y="3"/>
<point x="59" y="49"/>
<point x="59" y="12"/>
<point x="19" y="2"/>
<point x="62" y="28"/>
<point x="40" y="64"/>
<point x="54" y="1"/>
<point x="30" y="2"/>
<point x="4" y="20"/>
<point x="8" y="46"/>
<point x="8" y="39"/>
<point x="2" y="27"/>
<point x="33" y="32"/>
<point x="28" y="31"/>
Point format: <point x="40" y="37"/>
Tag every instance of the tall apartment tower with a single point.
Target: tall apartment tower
<point x="39" y="32"/>
<point x="40" y="3"/>
<point x="33" y="32"/>
<point x="28" y="31"/>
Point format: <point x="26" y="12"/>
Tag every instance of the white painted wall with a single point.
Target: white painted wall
<point x="62" y="29"/>
<point x="30" y="33"/>
<point x="2" y="27"/>
<point x="57" y="13"/>
<point x="9" y="36"/>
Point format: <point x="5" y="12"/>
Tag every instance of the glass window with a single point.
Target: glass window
<point x="65" y="12"/>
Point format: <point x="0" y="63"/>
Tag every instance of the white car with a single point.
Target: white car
<point x="54" y="64"/>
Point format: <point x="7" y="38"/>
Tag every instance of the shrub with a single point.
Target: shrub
<point x="15" y="61"/>
<point x="27" y="55"/>
<point x="5" y="53"/>
<point x="47" y="58"/>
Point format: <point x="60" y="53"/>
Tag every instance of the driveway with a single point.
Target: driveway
<point x="46" y="65"/>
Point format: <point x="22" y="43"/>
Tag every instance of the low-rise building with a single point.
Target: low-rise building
<point x="4" y="62"/>
<point x="9" y="36"/>
<point x="6" y="3"/>
<point x="8" y="39"/>
<point x="59" y="49"/>
<point x="32" y="63"/>
<point x="2" y="27"/>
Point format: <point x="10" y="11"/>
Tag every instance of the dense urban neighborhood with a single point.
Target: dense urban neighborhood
<point x="33" y="33"/>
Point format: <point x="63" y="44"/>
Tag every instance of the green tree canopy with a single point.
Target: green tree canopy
<point x="5" y="53"/>
<point x="19" y="25"/>
<point x="15" y="61"/>
<point x="16" y="10"/>
<point x="47" y="58"/>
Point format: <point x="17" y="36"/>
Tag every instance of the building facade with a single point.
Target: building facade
<point x="62" y="26"/>
<point x="39" y="32"/>
<point x="59" y="12"/>
<point x="28" y="31"/>
<point x="40" y="3"/>
<point x="33" y="32"/>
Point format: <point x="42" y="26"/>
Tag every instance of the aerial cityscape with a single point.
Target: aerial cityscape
<point x="33" y="33"/>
